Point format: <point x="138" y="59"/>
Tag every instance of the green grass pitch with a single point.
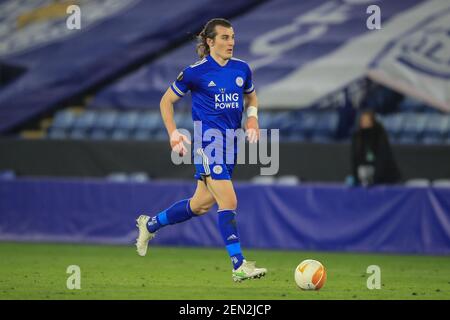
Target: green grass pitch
<point x="38" y="271"/>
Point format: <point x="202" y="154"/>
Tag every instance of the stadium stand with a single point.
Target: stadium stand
<point x="84" y="151"/>
<point x="118" y="110"/>
<point x="315" y="66"/>
<point x="309" y="125"/>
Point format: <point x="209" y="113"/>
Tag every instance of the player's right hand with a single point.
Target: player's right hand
<point x="176" y="143"/>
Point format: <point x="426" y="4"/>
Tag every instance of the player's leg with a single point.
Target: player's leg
<point x="181" y="211"/>
<point x="202" y="200"/>
<point x="223" y="193"/>
<point x="225" y="196"/>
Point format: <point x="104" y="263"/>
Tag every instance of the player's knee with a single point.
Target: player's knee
<point x="201" y="209"/>
<point x="233" y="205"/>
<point x="230" y="204"/>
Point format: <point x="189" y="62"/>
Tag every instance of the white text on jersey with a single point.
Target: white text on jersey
<point x="226" y="101"/>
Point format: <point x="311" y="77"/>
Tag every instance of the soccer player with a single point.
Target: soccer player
<point x="219" y="85"/>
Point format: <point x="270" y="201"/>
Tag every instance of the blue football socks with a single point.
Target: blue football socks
<point x="228" y="229"/>
<point x="178" y="212"/>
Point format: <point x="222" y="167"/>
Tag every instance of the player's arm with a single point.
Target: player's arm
<point x="166" y="106"/>
<point x="251" y="108"/>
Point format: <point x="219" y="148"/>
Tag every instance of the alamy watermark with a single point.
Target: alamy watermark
<point x="373" y="22"/>
<point x="215" y="147"/>
<point x="374" y="280"/>
<point x="74" y="280"/>
<point x="73" y="22"/>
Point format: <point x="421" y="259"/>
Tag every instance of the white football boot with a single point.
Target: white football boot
<point x="248" y="270"/>
<point x="144" y="235"/>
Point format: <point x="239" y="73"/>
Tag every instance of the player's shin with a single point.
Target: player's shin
<point x="228" y="229"/>
<point x="178" y="212"/>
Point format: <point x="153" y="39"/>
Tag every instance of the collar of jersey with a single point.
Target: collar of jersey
<point x="213" y="61"/>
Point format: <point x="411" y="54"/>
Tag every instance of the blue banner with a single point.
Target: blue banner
<point x="60" y="60"/>
<point x="306" y="217"/>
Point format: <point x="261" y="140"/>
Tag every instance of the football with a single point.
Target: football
<point x="310" y="275"/>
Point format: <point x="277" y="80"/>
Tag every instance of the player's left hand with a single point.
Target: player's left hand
<point x="252" y="129"/>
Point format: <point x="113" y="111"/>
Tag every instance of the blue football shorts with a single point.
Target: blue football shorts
<point x="205" y="167"/>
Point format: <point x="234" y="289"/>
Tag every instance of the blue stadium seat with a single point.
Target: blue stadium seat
<point x="78" y="134"/>
<point x="432" y="139"/>
<point x="63" y="120"/>
<point x="295" y="136"/>
<point x="321" y="138"/>
<point x="127" y="120"/>
<point x="393" y="124"/>
<point x="149" y="120"/>
<point x="264" y="119"/>
<point x="280" y="120"/>
<point x="57" y="133"/>
<point x="406" y="139"/>
<point x="160" y="135"/>
<point x="436" y="127"/>
<point x="183" y="121"/>
<point x="284" y="121"/>
<point x="85" y="121"/>
<point x="120" y="134"/>
<point x="105" y="120"/>
<point x="410" y="104"/>
<point x="188" y="123"/>
<point x="305" y="122"/>
<point x="142" y="134"/>
<point x="413" y="127"/>
<point x="99" y="134"/>
<point x="326" y="126"/>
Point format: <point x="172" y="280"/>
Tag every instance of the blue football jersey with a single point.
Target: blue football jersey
<point x="217" y="92"/>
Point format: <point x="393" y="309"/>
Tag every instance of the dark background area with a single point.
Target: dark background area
<point x="308" y="161"/>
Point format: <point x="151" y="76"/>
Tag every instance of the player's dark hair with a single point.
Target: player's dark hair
<point x="209" y="31"/>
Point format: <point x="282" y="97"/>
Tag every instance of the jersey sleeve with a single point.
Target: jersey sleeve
<point x="248" y="85"/>
<point x="182" y="84"/>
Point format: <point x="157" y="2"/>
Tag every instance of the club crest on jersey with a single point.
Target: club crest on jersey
<point x="239" y="81"/>
<point x="217" y="169"/>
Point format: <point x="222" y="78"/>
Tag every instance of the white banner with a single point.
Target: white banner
<point x="336" y="70"/>
<point x="417" y="63"/>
